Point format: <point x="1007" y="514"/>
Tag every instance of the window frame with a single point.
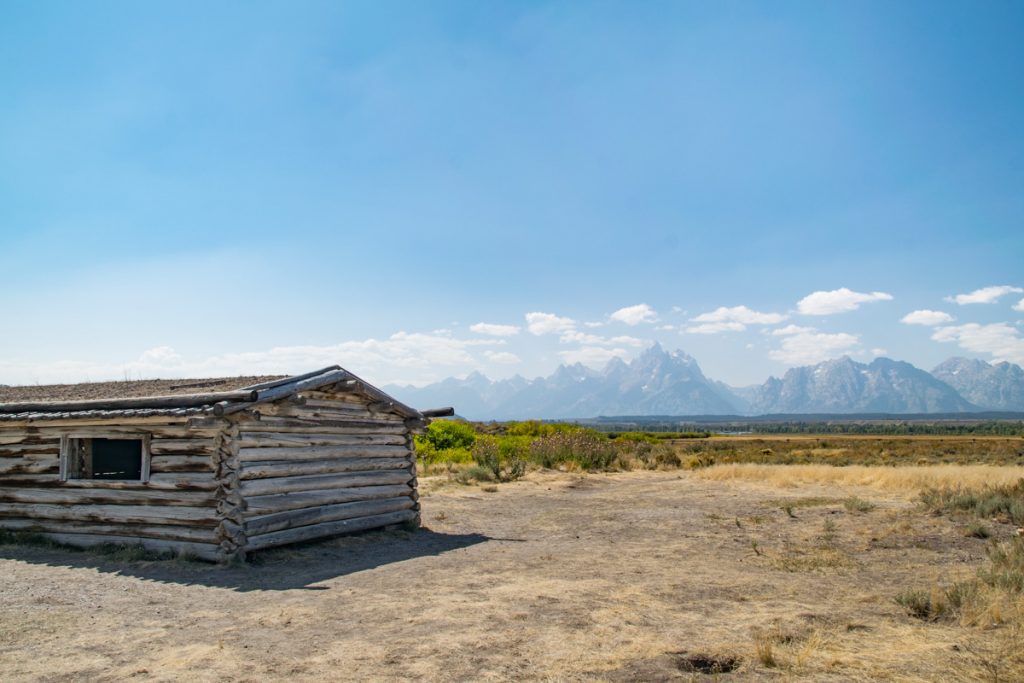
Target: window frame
<point x="65" y="453"/>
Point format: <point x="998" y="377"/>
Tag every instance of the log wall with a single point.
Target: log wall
<point x="176" y="509"/>
<point x="324" y="464"/>
<point x="308" y="467"/>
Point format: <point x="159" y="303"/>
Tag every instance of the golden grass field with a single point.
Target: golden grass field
<point x="767" y="572"/>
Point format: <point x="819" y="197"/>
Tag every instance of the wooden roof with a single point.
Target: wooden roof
<point x="134" y="389"/>
<point x="187" y="397"/>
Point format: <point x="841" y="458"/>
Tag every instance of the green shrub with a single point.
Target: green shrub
<point x="487" y="456"/>
<point x="446" y="434"/>
<point x="587" y="449"/>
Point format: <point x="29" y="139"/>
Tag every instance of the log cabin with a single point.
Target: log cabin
<point x="249" y="463"/>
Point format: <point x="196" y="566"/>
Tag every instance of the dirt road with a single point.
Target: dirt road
<point x="632" y="576"/>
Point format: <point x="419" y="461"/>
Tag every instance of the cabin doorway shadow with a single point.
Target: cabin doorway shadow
<point x="297" y="567"/>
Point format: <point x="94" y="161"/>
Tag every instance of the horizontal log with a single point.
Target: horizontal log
<point x="266" y="470"/>
<point x="272" y="439"/>
<point x="308" y="412"/>
<point x="322" y="452"/>
<point x="328" y="529"/>
<point x="82" y="496"/>
<point x="115" y="514"/>
<point x="159" y="482"/>
<point x="294" y="519"/>
<point x="334" y="396"/>
<point x="18" y="466"/>
<point x="345" y="404"/>
<point x="180" y="463"/>
<point x="204" y="551"/>
<point x="264" y="505"/>
<point x="17" y="451"/>
<point x="293" y="379"/>
<point x="181" y="401"/>
<point x="182" y="446"/>
<point x="438" y="412"/>
<point x="283" y="390"/>
<point x="157" y="428"/>
<point x="262" y="487"/>
<point x="161" y="531"/>
<point x="294" y="424"/>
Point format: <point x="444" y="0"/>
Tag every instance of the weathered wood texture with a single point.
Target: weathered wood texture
<point x="177" y="505"/>
<point x="318" y="464"/>
<point x="324" y="463"/>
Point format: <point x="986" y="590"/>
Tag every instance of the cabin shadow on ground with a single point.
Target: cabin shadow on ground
<point x="298" y="567"/>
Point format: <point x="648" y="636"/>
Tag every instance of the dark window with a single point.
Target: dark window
<point x="106" y="458"/>
<point x="116" y="459"/>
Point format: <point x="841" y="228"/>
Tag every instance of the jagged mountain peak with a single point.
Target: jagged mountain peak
<point x="996" y="386"/>
<point x="843" y="385"/>
<point x="660" y="382"/>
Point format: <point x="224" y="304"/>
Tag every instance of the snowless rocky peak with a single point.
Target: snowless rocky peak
<point x="995" y="386"/>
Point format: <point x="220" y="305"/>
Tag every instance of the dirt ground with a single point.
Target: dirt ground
<point x="626" y="576"/>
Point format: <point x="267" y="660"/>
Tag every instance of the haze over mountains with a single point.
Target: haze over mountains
<point x="659" y="382"/>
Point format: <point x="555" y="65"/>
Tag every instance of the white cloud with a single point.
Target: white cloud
<point x="926" y="317"/>
<point x="593" y="324"/>
<point x="985" y="295"/>
<point x="837" y="301"/>
<point x="629" y="341"/>
<point x="715" y="328"/>
<point x="740" y="314"/>
<point x="495" y="330"/>
<point x="577" y="337"/>
<point x="1000" y="340"/>
<point x="667" y="328"/>
<point x="1019" y="306"/>
<point x="548" y="323"/>
<point x="879" y="352"/>
<point x="503" y="357"/>
<point x="791" y="329"/>
<point x="594" y="356"/>
<point x="402" y="357"/>
<point x="634" y="315"/>
<point x="808" y="348"/>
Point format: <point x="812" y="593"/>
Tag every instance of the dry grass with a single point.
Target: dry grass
<point x="909" y="478"/>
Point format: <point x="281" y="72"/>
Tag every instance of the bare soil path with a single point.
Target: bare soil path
<point x="631" y="576"/>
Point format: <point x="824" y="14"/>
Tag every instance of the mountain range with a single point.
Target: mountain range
<point x="660" y="382"/>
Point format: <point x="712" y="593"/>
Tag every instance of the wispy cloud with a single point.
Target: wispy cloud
<point x="1000" y="340"/>
<point x="502" y="357"/>
<point x="495" y="330"/>
<point x="593" y="356"/>
<point x="577" y="337"/>
<point x="715" y="328"/>
<point x="790" y="329"/>
<point x="734" y="319"/>
<point x="548" y="323"/>
<point x="635" y="315"/>
<point x="1019" y="306"/>
<point x="402" y="357"/>
<point x="840" y="300"/>
<point x="985" y="295"/>
<point x="808" y="347"/>
<point x="926" y="317"/>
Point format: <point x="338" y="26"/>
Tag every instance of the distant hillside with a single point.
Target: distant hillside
<point x="655" y="383"/>
<point x="663" y="383"/>
<point x="843" y="385"/>
<point x="998" y="386"/>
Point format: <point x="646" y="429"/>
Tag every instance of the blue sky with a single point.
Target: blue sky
<point x="196" y="188"/>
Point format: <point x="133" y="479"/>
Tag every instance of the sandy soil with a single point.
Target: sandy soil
<point x="633" y="576"/>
